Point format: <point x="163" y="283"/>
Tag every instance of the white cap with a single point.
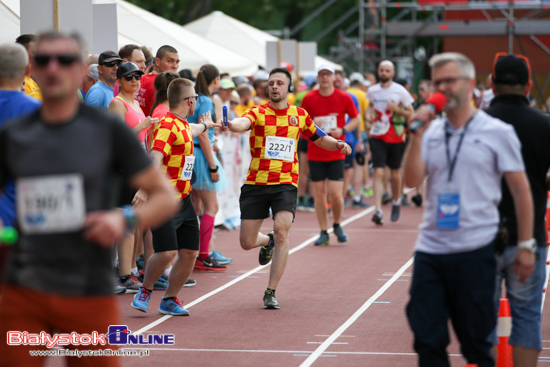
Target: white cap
<point x="325" y="67"/>
<point x="346" y="83"/>
<point x="356" y="77"/>
<point x="367" y="83"/>
<point x="261" y="74"/>
<point x="93" y="72"/>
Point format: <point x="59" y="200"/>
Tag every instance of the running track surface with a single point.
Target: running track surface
<point x="341" y="305"/>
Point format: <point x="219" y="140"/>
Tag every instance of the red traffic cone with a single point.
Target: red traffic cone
<point x="504" y="327"/>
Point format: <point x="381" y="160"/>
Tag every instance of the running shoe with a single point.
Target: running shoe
<point x="140" y="261"/>
<point x="367" y="193"/>
<point x="323" y="239"/>
<point x="359" y="204"/>
<point x="160" y="284"/>
<point x="310" y="205"/>
<point x="270" y="302"/>
<point x="417" y="200"/>
<point x="405" y="201"/>
<point x="377" y="217"/>
<point x="395" y="213"/>
<point x="141" y="300"/>
<point x="190" y="283"/>
<point x="301" y="204"/>
<point x="386" y="198"/>
<point x="131" y="285"/>
<point x="266" y="252"/>
<point x="208" y="264"/>
<point x="340" y="234"/>
<point x="222" y="260"/>
<point x="172" y="307"/>
<point x="118" y="289"/>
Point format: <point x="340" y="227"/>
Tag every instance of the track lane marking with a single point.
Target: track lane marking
<point x="246" y="275"/>
<point x="323" y="347"/>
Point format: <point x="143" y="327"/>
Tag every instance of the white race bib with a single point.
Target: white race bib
<point x="279" y="148"/>
<point x="326" y="123"/>
<point x="51" y="204"/>
<point x="380" y="128"/>
<point x="187" y="171"/>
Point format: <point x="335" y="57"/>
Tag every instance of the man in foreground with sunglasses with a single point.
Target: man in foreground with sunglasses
<point x="464" y="156"/>
<point x="102" y="92"/>
<point x="511" y="82"/>
<point x="64" y="161"/>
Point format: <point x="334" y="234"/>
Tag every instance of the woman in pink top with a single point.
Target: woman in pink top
<point x="162" y="81"/>
<point x="124" y="105"/>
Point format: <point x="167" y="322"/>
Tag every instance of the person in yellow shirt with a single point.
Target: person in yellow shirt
<point x="361" y="174"/>
<point x="246" y="101"/>
<point x="29" y="42"/>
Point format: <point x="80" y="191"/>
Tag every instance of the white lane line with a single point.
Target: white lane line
<point x="321" y="349"/>
<point x="246" y="275"/>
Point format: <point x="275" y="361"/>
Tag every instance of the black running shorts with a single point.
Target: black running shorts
<point x="180" y="232"/>
<point x="386" y="154"/>
<point x="256" y="200"/>
<point x="333" y="170"/>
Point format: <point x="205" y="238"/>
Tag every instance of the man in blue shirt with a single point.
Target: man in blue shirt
<point x="102" y="92"/>
<point x="13" y="104"/>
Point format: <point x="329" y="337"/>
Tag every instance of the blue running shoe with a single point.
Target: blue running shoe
<point x="160" y="284"/>
<point x="323" y="239"/>
<point x="141" y="300"/>
<point x="222" y="260"/>
<point x="340" y="234"/>
<point x="172" y="307"/>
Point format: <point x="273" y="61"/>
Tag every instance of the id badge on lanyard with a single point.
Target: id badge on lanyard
<point x="448" y="199"/>
<point x="448" y="208"/>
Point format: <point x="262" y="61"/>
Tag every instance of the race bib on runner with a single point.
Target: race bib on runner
<point x="327" y="123"/>
<point x="279" y="148"/>
<point x="380" y="128"/>
<point x="187" y="171"/>
<point x="51" y="204"/>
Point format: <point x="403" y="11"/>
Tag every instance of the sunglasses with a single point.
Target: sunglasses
<point x="195" y="96"/>
<point x="233" y="102"/>
<point x="423" y="89"/>
<point x="133" y="76"/>
<point x="111" y="64"/>
<point x="448" y="81"/>
<point x="63" y="60"/>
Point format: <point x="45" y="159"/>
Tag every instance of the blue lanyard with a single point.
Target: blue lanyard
<point x="452" y="163"/>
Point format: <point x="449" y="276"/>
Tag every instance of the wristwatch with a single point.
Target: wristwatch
<point x="129" y="217"/>
<point x="530" y="245"/>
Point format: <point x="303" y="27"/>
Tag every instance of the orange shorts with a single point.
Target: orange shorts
<point x="22" y="309"/>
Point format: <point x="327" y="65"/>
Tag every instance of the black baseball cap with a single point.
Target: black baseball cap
<point x="108" y="56"/>
<point x="127" y="68"/>
<point x="511" y="69"/>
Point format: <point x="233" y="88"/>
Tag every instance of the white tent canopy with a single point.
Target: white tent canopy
<point x="141" y="27"/>
<point x="238" y="36"/>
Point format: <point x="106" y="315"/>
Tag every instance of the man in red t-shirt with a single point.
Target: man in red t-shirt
<point x="328" y="107"/>
<point x="167" y="59"/>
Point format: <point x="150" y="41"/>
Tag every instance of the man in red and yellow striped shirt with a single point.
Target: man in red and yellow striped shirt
<point x="272" y="180"/>
<point x="172" y="150"/>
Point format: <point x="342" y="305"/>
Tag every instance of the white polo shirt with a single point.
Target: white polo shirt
<point x="490" y="148"/>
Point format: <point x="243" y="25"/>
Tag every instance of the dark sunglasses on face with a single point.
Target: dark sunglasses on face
<point x="111" y="64"/>
<point x="133" y="76"/>
<point x="64" y="60"/>
<point x="233" y="102"/>
<point x="423" y="89"/>
<point x="195" y="96"/>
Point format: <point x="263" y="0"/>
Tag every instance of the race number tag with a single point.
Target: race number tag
<point x="380" y="128"/>
<point x="280" y="148"/>
<point x="51" y="204"/>
<point x="327" y="123"/>
<point x="187" y="171"/>
<point x="448" y="210"/>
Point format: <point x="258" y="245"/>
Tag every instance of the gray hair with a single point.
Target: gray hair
<point x="13" y="61"/>
<point x="465" y="65"/>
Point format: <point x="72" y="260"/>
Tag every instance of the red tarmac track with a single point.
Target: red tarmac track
<point x="322" y="288"/>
